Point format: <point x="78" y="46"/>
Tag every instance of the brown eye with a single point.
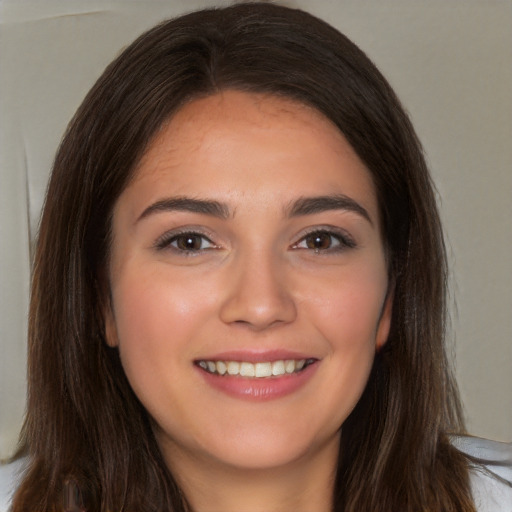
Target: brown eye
<point x="189" y="242"/>
<point x="319" y="241"/>
<point x="185" y="243"/>
<point x="327" y="241"/>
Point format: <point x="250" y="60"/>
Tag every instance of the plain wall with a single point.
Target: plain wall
<point x="450" y="63"/>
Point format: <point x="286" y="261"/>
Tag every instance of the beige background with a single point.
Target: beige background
<point x="450" y="61"/>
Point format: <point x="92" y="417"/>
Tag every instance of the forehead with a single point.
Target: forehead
<point x="204" y="119"/>
<point x="237" y="143"/>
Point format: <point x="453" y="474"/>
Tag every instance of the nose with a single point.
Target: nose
<point x="258" y="294"/>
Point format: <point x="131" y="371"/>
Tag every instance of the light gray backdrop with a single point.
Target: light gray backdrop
<point x="450" y="62"/>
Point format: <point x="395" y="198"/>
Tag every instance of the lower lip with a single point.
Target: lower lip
<point x="263" y="389"/>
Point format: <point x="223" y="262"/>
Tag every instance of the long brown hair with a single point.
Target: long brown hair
<point x="84" y="424"/>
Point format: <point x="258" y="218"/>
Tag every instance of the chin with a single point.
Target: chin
<point x="268" y="447"/>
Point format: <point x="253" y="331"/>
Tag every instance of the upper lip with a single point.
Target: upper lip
<point x="253" y="356"/>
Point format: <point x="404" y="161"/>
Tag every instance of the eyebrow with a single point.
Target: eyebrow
<point x="319" y="204"/>
<point x="302" y="206"/>
<point x="187" y="204"/>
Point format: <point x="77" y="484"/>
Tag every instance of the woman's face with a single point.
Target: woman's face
<point x="248" y="282"/>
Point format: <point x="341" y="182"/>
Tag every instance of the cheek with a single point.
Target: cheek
<point x="343" y="317"/>
<point x="156" y="301"/>
<point x="348" y="308"/>
<point x="347" y="315"/>
<point x="156" y="319"/>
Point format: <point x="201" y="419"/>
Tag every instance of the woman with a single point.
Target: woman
<point x="239" y="288"/>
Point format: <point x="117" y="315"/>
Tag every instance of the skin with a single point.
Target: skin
<point x="256" y="283"/>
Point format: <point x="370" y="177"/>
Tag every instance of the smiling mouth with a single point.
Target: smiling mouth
<point x="259" y="370"/>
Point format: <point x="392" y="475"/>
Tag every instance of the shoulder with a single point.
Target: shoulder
<point x="9" y="478"/>
<point x="491" y="473"/>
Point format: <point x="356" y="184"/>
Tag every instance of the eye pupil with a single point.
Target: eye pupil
<point x="319" y="241"/>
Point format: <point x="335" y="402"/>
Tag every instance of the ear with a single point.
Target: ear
<point x="384" y="325"/>
<point x="111" y="336"/>
<point x="109" y="319"/>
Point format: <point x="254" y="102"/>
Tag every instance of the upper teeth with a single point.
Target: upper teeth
<point x="246" y="369"/>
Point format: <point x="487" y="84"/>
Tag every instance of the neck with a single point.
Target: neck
<point x="305" y="485"/>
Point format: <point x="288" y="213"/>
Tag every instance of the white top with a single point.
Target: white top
<point x="491" y="484"/>
<point x="9" y="476"/>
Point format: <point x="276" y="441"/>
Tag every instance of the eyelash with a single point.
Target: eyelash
<point x="167" y="240"/>
<point x="342" y="240"/>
